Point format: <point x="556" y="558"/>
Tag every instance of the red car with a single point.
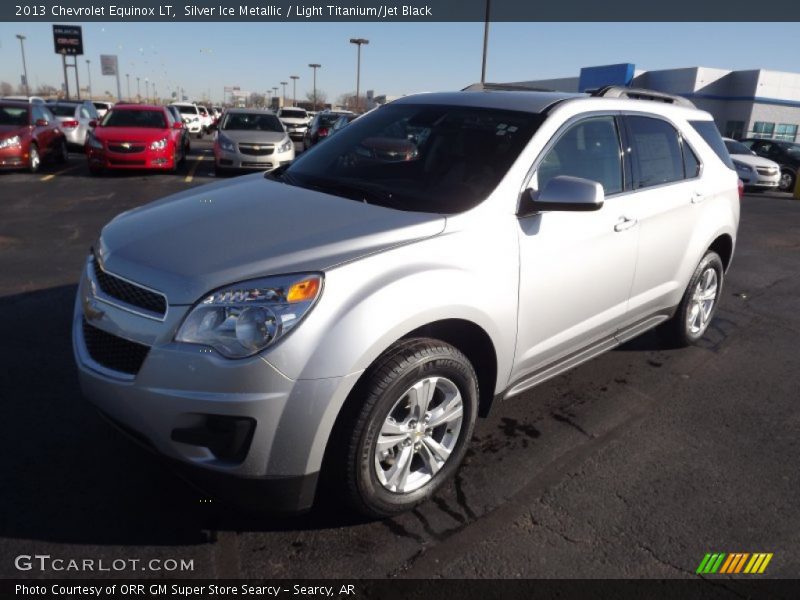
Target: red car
<point x="29" y="133"/>
<point x="136" y="136"/>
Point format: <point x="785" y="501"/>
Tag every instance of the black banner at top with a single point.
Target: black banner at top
<point x="393" y="11"/>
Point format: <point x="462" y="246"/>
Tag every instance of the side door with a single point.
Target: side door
<point x="576" y="268"/>
<point x="43" y="134"/>
<point x="669" y="193"/>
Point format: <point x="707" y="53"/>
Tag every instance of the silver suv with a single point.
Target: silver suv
<point x="351" y="314"/>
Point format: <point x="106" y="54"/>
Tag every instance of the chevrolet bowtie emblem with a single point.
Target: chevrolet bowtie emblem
<point x="125" y="145"/>
<point x="256" y="147"/>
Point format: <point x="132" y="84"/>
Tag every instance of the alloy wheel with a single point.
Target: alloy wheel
<point x="702" y="304"/>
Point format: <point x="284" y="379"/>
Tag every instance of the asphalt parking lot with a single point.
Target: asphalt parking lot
<point x="633" y="465"/>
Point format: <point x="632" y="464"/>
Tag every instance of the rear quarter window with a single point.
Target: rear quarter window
<point x="709" y="132"/>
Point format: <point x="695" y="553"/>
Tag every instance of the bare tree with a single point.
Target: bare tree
<point x="322" y="96"/>
<point x="256" y="99"/>
<point x="6" y="89"/>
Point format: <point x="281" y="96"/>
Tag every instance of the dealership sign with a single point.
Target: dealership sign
<point x="68" y="39"/>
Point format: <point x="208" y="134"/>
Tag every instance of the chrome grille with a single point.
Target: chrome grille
<point x="256" y="149"/>
<point x="129" y="293"/>
<point x="125" y="148"/>
<point x="767" y="170"/>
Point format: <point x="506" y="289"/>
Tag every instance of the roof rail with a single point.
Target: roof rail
<point x="618" y="91"/>
<point x="508" y="87"/>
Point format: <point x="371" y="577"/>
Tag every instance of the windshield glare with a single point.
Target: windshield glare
<point x="430" y="158"/>
<point x="152" y="119"/>
<point x="251" y="122"/>
<point x="738" y="148"/>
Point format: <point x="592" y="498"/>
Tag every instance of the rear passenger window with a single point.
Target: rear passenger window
<point x="657" y="157"/>
<point x="589" y="149"/>
<point x="691" y="165"/>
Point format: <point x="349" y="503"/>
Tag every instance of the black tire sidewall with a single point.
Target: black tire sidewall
<point x="378" y="499"/>
<point x="711" y="259"/>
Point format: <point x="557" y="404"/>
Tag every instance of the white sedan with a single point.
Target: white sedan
<point x="754" y="171"/>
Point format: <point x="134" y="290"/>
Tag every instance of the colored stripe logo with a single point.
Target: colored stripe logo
<point x="733" y="563"/>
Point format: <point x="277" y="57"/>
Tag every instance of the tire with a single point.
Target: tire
<point x="787" y="181"/>
<point x="219" y="171"/>
<point x="690" y="322"/>
<point x="186" y="149"/>
<point x="62" y="154"/>
<point x="199" y="135"/>
<point x="376" y="482"/>
<point x="34" y="159"/>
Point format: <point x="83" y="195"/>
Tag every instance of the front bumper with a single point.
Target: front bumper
<point x="182" y="388"/>
<point x="296" y="131"/>
<point x="237" y="160"/>
<point x="149" y="159"/>
<point x="757" y="180"/>
<point x="13" y="157"/>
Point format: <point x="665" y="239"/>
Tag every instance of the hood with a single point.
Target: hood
<point x="254" y="137"/>
<point x="130" y="134"/>
<point x="193" y="242"/>
<point x="754" y="161"/>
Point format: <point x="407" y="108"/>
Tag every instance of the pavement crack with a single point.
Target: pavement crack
<point x="660" y="560"/>
<point x="562" y="418"/>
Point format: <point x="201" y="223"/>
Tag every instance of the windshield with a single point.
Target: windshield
<point x="251" y="122"/>
<point x="737" y="148"/>
<point x="294" y="114"/>
<point x="153" y="119"/>
<point x="62" y="110"/>
<point x="430" y="158"/>
<point x="187" y="110"/>
<point x="10" y="115"/>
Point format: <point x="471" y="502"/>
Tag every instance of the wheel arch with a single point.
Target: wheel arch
<point x="723" y="245"/>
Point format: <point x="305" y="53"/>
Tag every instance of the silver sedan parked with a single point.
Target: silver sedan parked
<point x="251" y="139"/>
<point x="75" y="117"/>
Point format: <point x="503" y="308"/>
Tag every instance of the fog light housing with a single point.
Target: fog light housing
<point x="227" y="438"/>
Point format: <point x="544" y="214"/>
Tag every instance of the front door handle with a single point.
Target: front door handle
<point x="697" y="198"/>
<point x="624" y="223"/>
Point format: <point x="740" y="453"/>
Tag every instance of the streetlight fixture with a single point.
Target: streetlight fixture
<point x="315" y="66"/>
<point x="294" y="79"/>
<point x="89" y="73"/>
<point x="358" y="42"/>
<point x="21" y="39"/>
<point x="284" y="84"/>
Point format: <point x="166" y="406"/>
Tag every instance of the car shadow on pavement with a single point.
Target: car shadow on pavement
<point x="67" y="476"/>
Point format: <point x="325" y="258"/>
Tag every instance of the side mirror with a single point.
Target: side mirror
<point x="564" y="193"/>
<point x="177" y="125"/>
<point x="42" y="123"/>
<point x="92" y="123"/>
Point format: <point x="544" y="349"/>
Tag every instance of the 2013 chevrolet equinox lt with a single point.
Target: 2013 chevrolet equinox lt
<point x="353" y="313"/>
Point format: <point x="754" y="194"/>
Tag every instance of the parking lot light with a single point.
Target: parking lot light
<point x="358" y="42"/>
<point x="21" y="39"/>
<point x="128" y="82"/>
<point x="294" y="79"/>
<point x="89" y="73"/>
<point x="284" y="84"/>
<point x="314" y="67"/>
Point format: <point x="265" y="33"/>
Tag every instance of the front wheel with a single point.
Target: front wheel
<point x="786" y="182"/>
<point x="417" y="410"/>
<point x="34" y="159"/>
<point x="699" y="302"/>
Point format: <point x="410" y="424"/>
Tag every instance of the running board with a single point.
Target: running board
<point x="588" y="353"/>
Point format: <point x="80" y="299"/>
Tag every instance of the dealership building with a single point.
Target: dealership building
<point x="751" y="103"/>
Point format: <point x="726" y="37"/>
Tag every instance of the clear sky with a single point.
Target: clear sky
<point x="401" y="58"/>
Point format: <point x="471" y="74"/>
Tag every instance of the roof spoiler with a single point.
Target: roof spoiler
<point x="508" y="87"/>
<point x="618" y="91"/>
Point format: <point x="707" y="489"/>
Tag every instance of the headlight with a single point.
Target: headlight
<point x="14" y="140"/>
<point x="245" y="318"/>
<point x="159" y="144"/>
<point x="742" y="167"/>
<point x="285" y="146"/>
<point x="225" y="143"/>
<point x="93" y="142"/>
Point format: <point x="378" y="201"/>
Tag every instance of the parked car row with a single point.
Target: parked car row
<point x="29" y="133"/>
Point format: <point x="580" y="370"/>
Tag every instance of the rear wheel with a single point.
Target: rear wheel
<point x="410" y="429"/>
<point x="699" y="302"/>
<point x="62" y="153"/>
<point x="34" y="159"/>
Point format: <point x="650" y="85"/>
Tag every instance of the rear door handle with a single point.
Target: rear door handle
<point x="697" y="198"/>
<point x="624" y="223"/>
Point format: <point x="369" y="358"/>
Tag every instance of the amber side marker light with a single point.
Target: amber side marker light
<point x="303" y="291"/>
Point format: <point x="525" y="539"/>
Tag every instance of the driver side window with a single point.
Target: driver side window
<point x="589" y="149"/>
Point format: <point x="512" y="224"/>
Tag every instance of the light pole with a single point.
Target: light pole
<point x="21" y="39"/>
<point x="138" y="91"/>
<point x="284" y="84"/>
<point x="275" y="93"/>
<point x="315" y="66"/>
<point x="485" y="41"/>
<point x="294" y="79"/>
<point x="358" y="42"/>
<point x="128" y="81"/>
<point x="89" y="73"/>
